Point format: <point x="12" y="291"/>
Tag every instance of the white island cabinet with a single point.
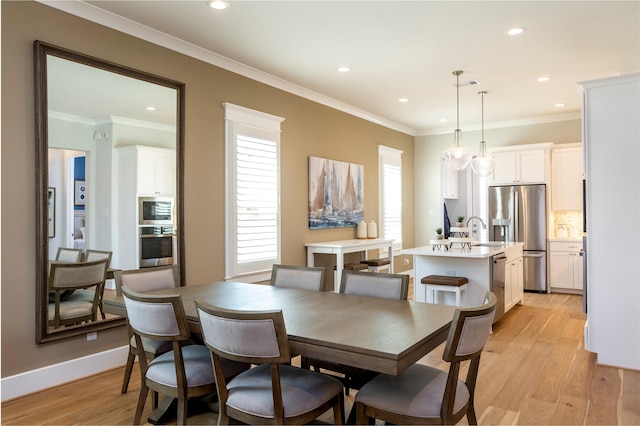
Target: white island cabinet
<point x="475" y="263"/>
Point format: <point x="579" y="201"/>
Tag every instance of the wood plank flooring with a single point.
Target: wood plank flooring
<point x="533" y="371"/>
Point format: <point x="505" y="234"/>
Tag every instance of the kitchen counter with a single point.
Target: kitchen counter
<point x="474" y="263"/>
<point x="476" y="251"/>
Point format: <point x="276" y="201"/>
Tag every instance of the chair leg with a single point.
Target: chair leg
<point x="182" y="411"/>
<point x="471" y="414"/>
<point x="338" y="411"/>
<point x="128" y="368"/>
<point x="144" y="390"/>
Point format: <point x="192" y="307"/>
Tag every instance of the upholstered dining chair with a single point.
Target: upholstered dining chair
<point x="142" y="281"/>
<point x="426" y="395"/>
<point x="273" y="392"/>
<point x="186" y="370"/>
<point x="65" y="277"/>
<point x="388" y="286"/>
<point x="306" y="277"/>
<point x="85" y="294"/>
<point x="68" y="255"/>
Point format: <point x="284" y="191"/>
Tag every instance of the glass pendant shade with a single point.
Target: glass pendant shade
<point x="483" y="164"/>
<point x="457" y="157"/>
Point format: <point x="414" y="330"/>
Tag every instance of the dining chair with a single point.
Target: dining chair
<point x="186" y="370"/>
<point x="426" y="395"/>
<point x="272" y="392"/>
<point x="142" y="281"/>
<point x="69" y="277"/>
<point x="90" y="256"/>
<point x="388" y="286"/>
<point x="306" y="277"/>
<point x="68" y="255"/>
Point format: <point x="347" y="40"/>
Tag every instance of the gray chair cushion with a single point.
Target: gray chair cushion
<point x="302" y="391"/>
<point x="197" y="366"/>
<point x="417" y="392"/>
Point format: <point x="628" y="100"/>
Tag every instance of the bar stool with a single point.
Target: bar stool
<point x="436" y="283"/>
<point x="376" y="265"/>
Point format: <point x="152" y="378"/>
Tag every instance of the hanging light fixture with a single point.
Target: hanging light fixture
<point x="457" y="157"/>
<point x="483" y="164"/>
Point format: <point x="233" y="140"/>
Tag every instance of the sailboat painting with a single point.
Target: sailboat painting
<point x="336" y="193"/>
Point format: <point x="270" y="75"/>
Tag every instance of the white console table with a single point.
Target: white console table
<point x="340" y="248"/>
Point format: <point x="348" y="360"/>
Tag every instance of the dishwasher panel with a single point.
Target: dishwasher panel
<point x="497" y="283"/>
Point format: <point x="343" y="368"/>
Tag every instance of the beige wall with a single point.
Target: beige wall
<point x="310" y="129"/>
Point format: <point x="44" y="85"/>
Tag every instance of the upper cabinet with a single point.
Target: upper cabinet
<point x="156" y="171"/>
<point x="521" y="164"/>
<point x="566" y="178"/>
<point x="449" y="179"/>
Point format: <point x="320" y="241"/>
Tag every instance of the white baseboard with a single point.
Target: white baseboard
<point x="64" y="372"/>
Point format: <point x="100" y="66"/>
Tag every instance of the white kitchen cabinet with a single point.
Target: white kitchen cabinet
<point x="449" y="179"/>
<point x="566" y="178"/>
<point x="523" y="164"/>
<point x="565" y="265"/>
<point x="513" y="282"/>
<point x="610" y="136"/>
<point x="156" y="171"/>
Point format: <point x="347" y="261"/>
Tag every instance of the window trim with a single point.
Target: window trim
<point x="238" y="118"/>
<point x="395" y="156"/>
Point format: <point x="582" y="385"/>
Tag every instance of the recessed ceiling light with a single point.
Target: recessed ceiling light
<point x="344" y="69"/>
<point x="403" y="100"/>
<point x="443" y="120"/>
<point x="543" y="79"/>
<point x="516" y="31"/>
<point x="559" y="105"/>
<point x="151" y="108"/>
<point x="218" y="4"/>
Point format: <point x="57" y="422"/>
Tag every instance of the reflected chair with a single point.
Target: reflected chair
<point x="142" y="281"/>
<point x="272" y="392"/>
<point x="388" y="286"/>
<point x="66" y="277"/>
<point x="426" y="395"/>
<point x="186" y="370"/>
<point x="87" y="295"/>
<point x="310" y="278"/>
<point x="68" y="255"/>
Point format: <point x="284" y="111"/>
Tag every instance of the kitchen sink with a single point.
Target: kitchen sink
<point x="488" y="243"/>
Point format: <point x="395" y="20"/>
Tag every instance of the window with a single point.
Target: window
<point x="390" y="196"/>
<point x="252" y="224"/>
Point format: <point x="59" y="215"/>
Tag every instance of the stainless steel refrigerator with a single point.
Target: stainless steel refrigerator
<point x="519" y="213"/>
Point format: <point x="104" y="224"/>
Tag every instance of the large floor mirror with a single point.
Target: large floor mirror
<point x="109" y="165"/>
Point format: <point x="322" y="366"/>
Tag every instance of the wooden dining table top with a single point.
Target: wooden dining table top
<point x="382" y="335"/>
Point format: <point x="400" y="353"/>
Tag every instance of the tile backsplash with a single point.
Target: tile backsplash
<point x="570" y="220"/>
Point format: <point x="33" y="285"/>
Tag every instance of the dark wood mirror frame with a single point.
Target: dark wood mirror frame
<point x="41" y="51"/>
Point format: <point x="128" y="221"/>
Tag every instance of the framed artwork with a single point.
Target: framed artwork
<point x="51" y="212"/>
<point x="336" y="193"/>
<point x="80" y="193"/>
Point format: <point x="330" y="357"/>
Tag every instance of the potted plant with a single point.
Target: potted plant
<point x="460" y="221"/>
<point x="439" y="235"/>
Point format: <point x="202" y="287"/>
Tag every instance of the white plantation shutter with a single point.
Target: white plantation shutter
<point x="390" y="196"/>
<point x="252" y="227"/>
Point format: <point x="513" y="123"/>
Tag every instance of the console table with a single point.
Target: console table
<point x="340" y="248"/>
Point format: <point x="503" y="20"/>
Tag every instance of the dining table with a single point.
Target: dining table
<point x="375" y="334"/>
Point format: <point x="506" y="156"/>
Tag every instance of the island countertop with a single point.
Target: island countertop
<point x="475" y="252"/>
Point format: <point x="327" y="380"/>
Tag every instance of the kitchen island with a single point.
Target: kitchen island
<point x="476" y="264"/>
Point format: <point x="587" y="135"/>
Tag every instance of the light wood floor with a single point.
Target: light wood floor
<point x="533" y="371"/>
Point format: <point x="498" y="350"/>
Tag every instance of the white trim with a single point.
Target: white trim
<point x="64" y="372"/>
<point x="118" y="23"/>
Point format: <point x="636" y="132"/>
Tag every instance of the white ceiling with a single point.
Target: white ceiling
<point x="401" y="49"/>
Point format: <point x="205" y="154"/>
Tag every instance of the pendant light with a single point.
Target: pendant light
<point x="483" y="164"/>
<point x="457" y="157"/>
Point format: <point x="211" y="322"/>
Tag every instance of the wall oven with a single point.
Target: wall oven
<point x="155" y="210"/>
<point x="157" y="245"/>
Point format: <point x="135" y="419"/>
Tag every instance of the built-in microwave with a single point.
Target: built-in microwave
<point x="155" y="210"/>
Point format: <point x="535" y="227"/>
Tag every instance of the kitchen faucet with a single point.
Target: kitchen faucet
<point x="484" y="225"/>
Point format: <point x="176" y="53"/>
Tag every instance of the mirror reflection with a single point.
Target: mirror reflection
<point x="111" y="149"/>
